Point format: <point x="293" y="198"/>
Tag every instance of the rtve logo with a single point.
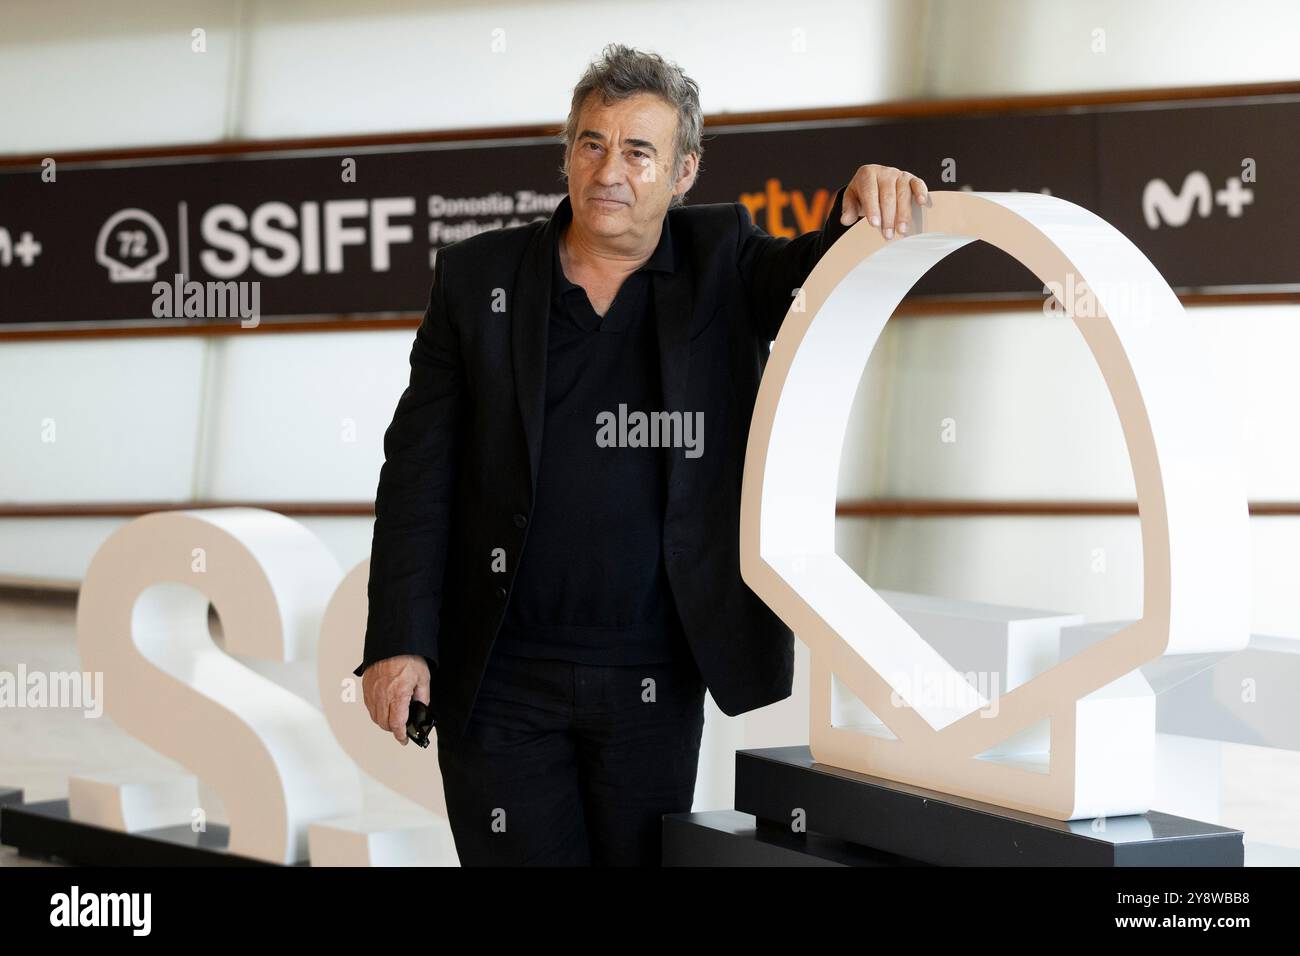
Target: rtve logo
<point x="806" y="214"/>
<point x="1162" y="204"/>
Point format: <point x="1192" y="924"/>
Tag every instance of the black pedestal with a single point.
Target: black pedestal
<point x="43" y="830"/>
<point x="732" y="838"/>
<point x="857" y="820"/>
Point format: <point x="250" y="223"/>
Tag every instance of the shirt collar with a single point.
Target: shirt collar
<point x="661" y="260"/>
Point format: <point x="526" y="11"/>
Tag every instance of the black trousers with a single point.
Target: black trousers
<point x="568" y="764"/>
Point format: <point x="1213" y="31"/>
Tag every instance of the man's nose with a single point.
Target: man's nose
<point x="611" y="169"/>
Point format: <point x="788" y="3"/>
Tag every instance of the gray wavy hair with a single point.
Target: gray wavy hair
<point x="622" y="72"/>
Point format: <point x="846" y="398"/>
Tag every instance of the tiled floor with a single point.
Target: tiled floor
<point x="40" y="748"/>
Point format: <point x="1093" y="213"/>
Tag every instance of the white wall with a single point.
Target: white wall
<point x="105" y="420"/>
<point x="92" y="74"/>
<point x="85" y="74"/>
<point x="981" y="47"/>
<point x="289" y="417"/>
<point x="102" y="75"/>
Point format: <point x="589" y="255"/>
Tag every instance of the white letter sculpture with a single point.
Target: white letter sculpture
<point x="1183" y="449"/>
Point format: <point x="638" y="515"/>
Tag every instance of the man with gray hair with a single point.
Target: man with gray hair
<point x="560" y="602"/>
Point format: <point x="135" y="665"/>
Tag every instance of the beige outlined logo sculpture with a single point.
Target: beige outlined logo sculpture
<point x="1182" y="446"/>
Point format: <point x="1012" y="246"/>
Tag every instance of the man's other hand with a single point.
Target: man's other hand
<point x="884" y="195"/>
<point x="388" y="686"/>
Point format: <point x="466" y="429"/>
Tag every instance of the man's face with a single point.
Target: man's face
<point x="620" y="166"/>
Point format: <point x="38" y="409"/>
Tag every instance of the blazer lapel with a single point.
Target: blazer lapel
<point x="529" y="318"/>
<point x="674" y="304"/>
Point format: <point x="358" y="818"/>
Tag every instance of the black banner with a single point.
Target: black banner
<point x="1203" y="188"/>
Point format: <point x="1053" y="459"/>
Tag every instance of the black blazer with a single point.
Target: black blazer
<point x="462" y="452"/>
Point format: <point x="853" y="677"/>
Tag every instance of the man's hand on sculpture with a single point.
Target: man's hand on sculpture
<point x="884" y="195"/>
<point x="388" y="686"/>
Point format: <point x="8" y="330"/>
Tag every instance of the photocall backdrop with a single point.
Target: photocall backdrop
<point x="1204" y="188"/>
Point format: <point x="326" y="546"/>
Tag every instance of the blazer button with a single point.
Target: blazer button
<point x="520" y="521"/>
<point x="501" y="593"/>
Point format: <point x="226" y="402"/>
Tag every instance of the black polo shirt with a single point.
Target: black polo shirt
<point x="591" y="585"/>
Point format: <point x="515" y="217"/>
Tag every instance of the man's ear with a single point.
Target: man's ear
<point x="690" y="169"/>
